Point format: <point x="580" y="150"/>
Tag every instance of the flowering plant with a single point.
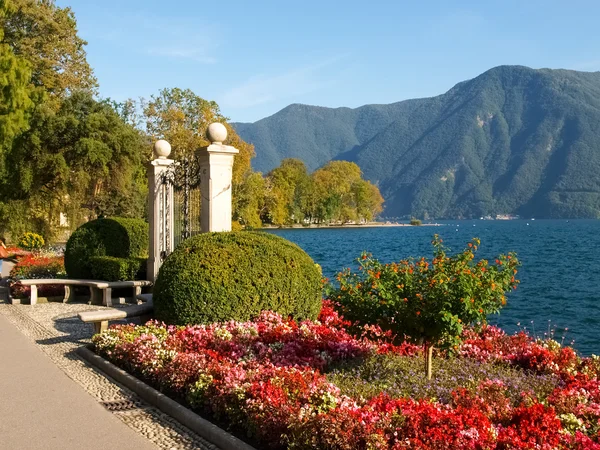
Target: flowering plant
<point x="270" y="381"/>
<point x="429" y="302"/>
<point x="31" y="241"/>
<point x="32" y="266"/>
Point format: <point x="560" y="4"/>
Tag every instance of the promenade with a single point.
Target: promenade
<point x="51" y="399"/>
<point x="42" y="408"/>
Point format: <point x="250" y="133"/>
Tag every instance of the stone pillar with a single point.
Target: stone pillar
<point x="216" y="164"/>
<point x="160" y="208"/>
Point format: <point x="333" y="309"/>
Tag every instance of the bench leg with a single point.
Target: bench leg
<point x="107" y="296"/>
<point x="137" y="290"/>
<point x="34" y="294"/>
<point x="67" y="293"/>
<point x="94" y="296"/>
<point x="99" y="327"/>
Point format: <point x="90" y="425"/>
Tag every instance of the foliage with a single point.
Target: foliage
<point x="264" y="380"/>
<point x="335" y="192"/>
<point x="46" y="36"/>
<point x="15" y="94"/>
<point x="110" y="268"/>
<point x="81" y="160"/>
<point x="182" y="118"/>
<point x="511" y="141"/>
<point x="415" y="222"/>
<point x="31" y="241"/>
<point x="430" y="301"/>
<point x="249" y="202"/>
<point x="222" y="276"/>
<point x="117" y="237"/>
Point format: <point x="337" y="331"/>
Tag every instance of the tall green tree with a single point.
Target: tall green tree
<point x="82" y="160"/>
<point x="46" y="36"/>
<point x="15" y="95"/>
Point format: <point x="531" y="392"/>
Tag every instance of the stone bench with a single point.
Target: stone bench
<point x="100" y="291"/>
<point x="101" y="318"/>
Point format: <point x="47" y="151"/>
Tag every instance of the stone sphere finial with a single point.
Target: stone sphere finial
<point x="216" y="133"/>
<point x="162" y="149"/>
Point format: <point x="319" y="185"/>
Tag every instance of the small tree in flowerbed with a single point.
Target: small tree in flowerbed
<point x="429" y="302"/>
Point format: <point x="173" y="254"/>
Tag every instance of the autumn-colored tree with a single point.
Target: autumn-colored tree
<point x="290" y="183"/>
<point x="182" y="117"/>
<point x="249" y="201"/>
<point x="342" y="195"/>
<point x="46" y="36"/>
<point x="368" y="200"/>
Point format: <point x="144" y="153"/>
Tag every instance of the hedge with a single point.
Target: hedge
<point x="116" y="237"/>
<point x="215" y="277"/>
<point x="110" y="268"/>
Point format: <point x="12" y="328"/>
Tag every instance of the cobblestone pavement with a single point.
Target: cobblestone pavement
<point x="55" y="328"/>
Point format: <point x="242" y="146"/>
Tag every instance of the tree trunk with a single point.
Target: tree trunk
<point x="428" y="359"/>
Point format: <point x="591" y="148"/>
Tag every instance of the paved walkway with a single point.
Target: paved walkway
<point x="41" y="408"/>
<point x="51" y="398"/>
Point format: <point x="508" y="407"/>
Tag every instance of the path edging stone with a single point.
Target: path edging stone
<point x="193" y="421"/>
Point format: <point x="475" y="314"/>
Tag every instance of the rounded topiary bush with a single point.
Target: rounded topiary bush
<point x="116" y="237"/>
<point x="214" y="277"/>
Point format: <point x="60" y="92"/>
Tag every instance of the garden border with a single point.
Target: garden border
<point x="183" y="415"/>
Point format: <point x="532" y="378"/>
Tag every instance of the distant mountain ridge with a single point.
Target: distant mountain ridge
<point x="513" y="140"/>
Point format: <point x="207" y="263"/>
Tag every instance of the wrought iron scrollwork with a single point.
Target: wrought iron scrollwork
<point x="180" y="177"/>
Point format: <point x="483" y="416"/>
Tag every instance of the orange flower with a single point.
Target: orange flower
<point x="418" y="313"/>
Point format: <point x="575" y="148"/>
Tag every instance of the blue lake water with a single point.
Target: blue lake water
<point x="560" y="275"/>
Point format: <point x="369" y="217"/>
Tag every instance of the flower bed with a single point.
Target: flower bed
<point x="33" y="265"/>
<point x="280" y="384"/>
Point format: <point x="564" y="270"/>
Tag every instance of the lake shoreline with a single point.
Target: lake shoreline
<point x="362" y="225"/>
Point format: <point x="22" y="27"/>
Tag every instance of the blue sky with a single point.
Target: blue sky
<point x="256" y="57"/>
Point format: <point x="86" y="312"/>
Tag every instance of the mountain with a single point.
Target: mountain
<point x="514" y="140"/>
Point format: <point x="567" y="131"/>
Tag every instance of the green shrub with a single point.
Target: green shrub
<point x="415" y="222"/>
<point x="31" y="241"/>
<point x="116" y="237"/>
<point x="109" y="268"/>
<point x="215" y="277"/>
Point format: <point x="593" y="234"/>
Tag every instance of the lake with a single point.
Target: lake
<point x="560" y="275"/>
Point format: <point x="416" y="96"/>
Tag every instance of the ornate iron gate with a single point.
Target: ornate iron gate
<point x="182" y="178"/>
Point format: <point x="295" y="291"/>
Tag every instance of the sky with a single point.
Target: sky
<point x="256" y="57"/>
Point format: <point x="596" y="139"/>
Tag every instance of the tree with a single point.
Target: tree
<point x="342" y="195"/>
<point x="82" y="160"/>
<point x="291" y="184"/>
<point x="45" y="35"/>
<point x="428" y="302"/>
<point x="368" y="200"/>
<point x="15" y="95"/>
<point x="182" y="117"/>
<point x="249" y="203"/>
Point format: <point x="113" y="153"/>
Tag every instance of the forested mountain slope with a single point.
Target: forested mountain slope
<point x="514" y="140"/>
